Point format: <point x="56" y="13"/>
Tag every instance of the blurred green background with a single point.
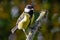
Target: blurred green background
<point x="10" y="10"/>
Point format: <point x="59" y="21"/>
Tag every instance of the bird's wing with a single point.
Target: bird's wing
<point x="19" y="19"/>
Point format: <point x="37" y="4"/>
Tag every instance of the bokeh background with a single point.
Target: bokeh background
<point x="10" y="10"/>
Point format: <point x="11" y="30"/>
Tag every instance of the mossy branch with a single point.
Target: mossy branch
<point x="33" y="29"/>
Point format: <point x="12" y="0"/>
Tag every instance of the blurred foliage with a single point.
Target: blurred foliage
<point x="7" y="23"/>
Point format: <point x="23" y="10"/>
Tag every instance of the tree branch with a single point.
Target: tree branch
<point x="35" y="26"/>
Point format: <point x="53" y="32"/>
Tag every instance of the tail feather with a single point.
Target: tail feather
<point x="14" y="29"/>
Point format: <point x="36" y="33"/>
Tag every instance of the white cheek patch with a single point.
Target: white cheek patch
<point x="26" y="10"/>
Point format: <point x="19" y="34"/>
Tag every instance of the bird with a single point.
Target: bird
<point x="25" y="20"/>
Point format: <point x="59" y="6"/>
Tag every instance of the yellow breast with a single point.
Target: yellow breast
<point x="24" y="22"/>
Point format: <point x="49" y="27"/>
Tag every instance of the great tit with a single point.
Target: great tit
<point x="25" y="20"/>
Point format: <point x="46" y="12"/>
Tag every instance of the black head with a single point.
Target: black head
<point x="29" y="6"/>
<point x="29" y="9"/>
